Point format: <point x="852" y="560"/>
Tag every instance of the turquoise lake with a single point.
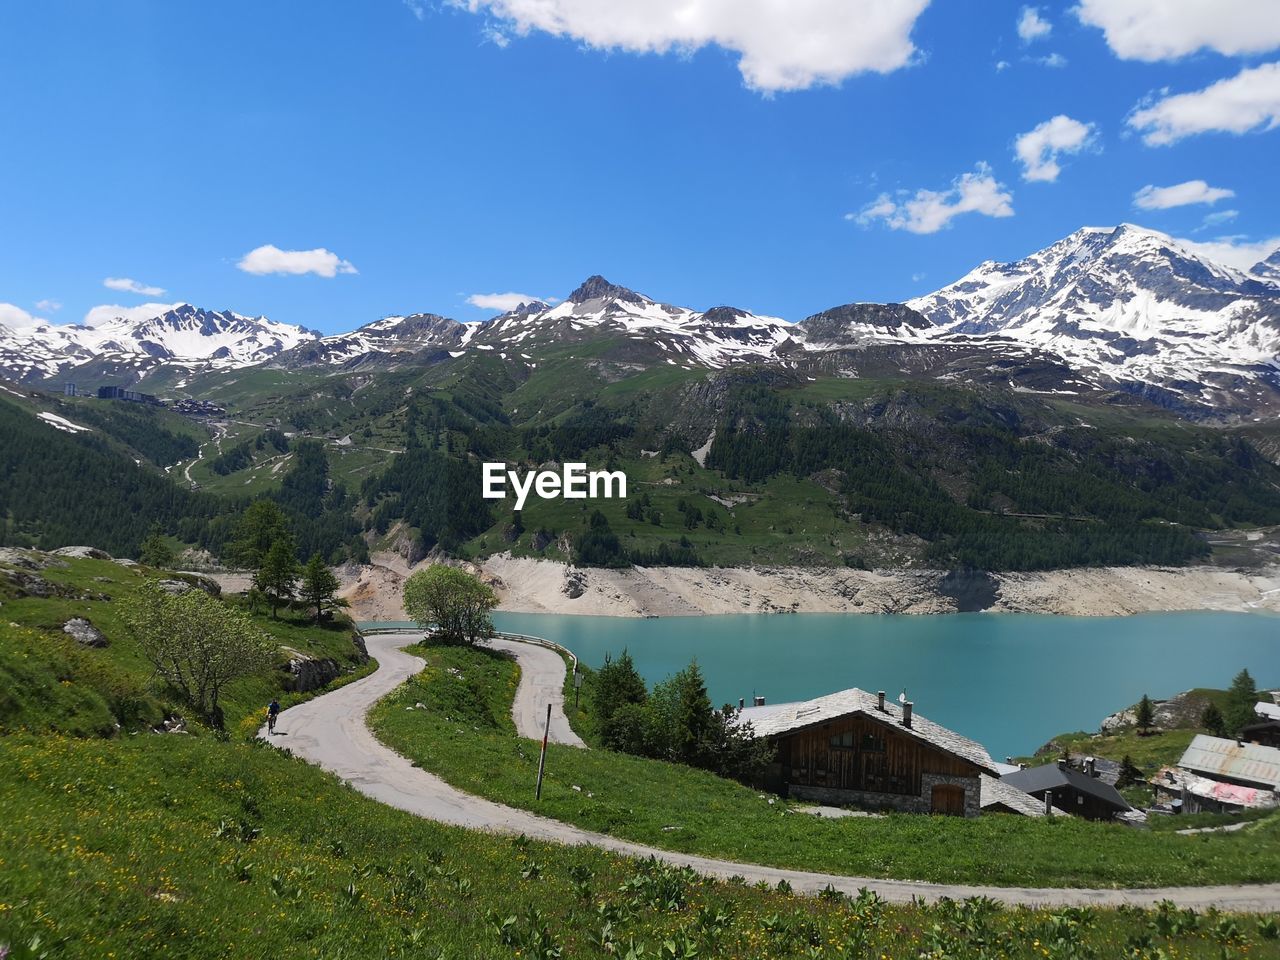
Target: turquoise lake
<point x="1009" y="681"/>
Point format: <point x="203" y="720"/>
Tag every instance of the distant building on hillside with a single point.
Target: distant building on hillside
<point x="197" y="408"/>
<point x="69" y="390"/>
<point x="123" y="393"/>
<point x="855" y="748"/>
<point x="1079" y="792"/>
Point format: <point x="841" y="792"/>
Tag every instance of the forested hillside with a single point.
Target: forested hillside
<point x="745" y="466"/>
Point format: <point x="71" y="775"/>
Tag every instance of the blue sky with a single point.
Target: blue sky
<point x="773" y="159"/>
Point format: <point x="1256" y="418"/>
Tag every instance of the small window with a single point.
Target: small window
<point x="843" y="740"/>
<point x="873" y="744"/>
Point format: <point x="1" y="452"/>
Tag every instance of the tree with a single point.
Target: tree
<point x="278" y="575"/>
<point x="451" y="601"/>
<point x="1145" y="714"/>
<point x="618" y="684"/>
<point x="196" y="643"/>
<point x="1129" y="772"/>
<point x="680" y="716"/>
<point x="155" y="549"/>
<point x="1213" y="721"/>
<point x="319" y="585"/>
<point x="1242" y="701"/>
<point x="260" y="526"/>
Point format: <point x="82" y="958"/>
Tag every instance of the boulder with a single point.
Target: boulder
<point x="84" y="553"/>
<point x="190" y="581"/>
<point x="30" y="584"/>
<point x="575" y="584"/>
<point x="84" y="632"/>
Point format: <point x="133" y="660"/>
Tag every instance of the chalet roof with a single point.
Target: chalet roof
<point x="995" y="792"/>
<point x="775" y="719"/>
<point x="1053" y="777"/>
<point x="1220" y="758"/>
<point x="1267" y="710"/>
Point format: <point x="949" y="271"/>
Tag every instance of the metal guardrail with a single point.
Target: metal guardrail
<point x="518" y="637"/>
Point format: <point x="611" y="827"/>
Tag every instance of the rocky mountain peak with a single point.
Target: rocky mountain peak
<point x="598" y="288"/>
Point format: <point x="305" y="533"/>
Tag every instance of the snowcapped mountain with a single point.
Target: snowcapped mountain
<point x="1268" y="269"/>
<point x="184" y="336"/>
<point x="1128" y="305"/>
<point x="858" y="324"/>
<point x="381" y="342"/>
<point x="656" y="331"/>
<point x="1105" y="309"/>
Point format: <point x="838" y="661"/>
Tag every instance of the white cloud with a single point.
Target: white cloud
<point x="1002" y="65"/>
<point x="271" y="259"/>
<point x="1247" y="101"/>
<point x="1238" y="252"/>
<point x="106" y="312"/>
<point x="501" y="301"/>
<point x="782" y="44"/>
<point x="417" y="7"/>
<point x="1218" y="218"/>
<point x="1039" y="149"/>
<point x="1166" y="29"/>
<point x="1152" y="197"/>
<point x="928" y="211"/>
<point x="49" y="306"/>
<point x="1055" y="60"/>
<point x="1032" y="26"/>
<point x="15" y="318"/>
<point x="125" y="285"/>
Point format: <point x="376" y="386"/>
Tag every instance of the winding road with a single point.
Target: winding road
<point x="330" y="731"/>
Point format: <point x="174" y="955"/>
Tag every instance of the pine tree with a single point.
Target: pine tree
<point x="155" y="549"/>
<point x="259" y="527"/>
<point x="1242" y="699"/>
<point x="278" y="575"/>
<point x="1213" y="721"/>
<point x="1146" y="714"/>
<point x="1129" y="772"/>
<point x="319" y="585"/>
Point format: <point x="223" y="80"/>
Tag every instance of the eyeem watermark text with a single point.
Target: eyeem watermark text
<point x="575" y="482"/>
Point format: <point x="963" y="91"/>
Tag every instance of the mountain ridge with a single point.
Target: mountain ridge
<point x="1120" y="307"/>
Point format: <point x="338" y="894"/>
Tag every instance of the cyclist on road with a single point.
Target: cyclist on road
<point x="273" y="711"/>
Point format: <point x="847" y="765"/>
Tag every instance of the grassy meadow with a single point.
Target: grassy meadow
<point x="466" y="736"/>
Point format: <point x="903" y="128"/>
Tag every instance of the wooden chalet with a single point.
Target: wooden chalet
<point x="854" y="748"/>
<point x="1082" y="793"/>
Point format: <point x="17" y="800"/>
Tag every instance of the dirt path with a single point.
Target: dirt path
<point x="330" y="732"/>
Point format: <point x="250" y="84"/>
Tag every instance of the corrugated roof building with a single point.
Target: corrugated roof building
<point x="1248" y="764"/>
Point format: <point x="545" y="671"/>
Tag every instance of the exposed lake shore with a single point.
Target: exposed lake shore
<point x="526" y="585"/>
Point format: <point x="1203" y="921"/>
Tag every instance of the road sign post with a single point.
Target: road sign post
<point x="542" y="758"/>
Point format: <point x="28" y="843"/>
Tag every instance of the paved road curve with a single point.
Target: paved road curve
<point x="330" y="732"/>
<point x="541" y="682"/>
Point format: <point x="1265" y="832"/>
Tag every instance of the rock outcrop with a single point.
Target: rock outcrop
<point x="84" y="632"/>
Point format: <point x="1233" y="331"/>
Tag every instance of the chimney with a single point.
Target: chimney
<point x="1008" y="760"/>
<point x="741" y="703"/>
<point x="906" y="713"/>
<point x="757" y="701"/>
<point x="880" y="697"/>
<point x="1048" y="803"/>
<point x="1090" y="766"/>
<point x="1062" y="763"/>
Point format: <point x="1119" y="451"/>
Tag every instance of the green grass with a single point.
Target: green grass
<point x="49" y="682"/>
<point x="156" y="846"/>
<point x="163" y="846"/>
<point x="678" y="808"/>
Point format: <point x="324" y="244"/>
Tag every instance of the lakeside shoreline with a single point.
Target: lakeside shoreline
<point x="528" y="585"/>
